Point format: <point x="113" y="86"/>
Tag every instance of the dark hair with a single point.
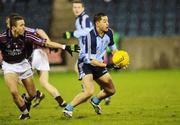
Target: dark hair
<point x="78" y="1"/>
<point x="14" y="19"/>
<point x="97" y="17"/>
<point x="12" y="15"/>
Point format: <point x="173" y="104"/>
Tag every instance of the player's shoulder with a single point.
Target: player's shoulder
<point x="85" y="16"/>
<point x="30" y="30"/>
<point x="93" y="32"/>
<point x="109" y="32"/>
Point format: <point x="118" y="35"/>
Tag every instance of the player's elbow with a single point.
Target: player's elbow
<point x="40" y="31"/>
<point x="113" y="91"/>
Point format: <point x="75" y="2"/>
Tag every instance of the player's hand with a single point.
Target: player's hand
<point x="67" y="35"/>
<point x="125" y="67"/>
<point x="72" y="48"/>
<point x="112" y="66"/>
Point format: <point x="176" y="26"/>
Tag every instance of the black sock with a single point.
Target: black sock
<point x="38" y="93"/>
<point x="60" y="100"/>
<point x="22" y="108"/>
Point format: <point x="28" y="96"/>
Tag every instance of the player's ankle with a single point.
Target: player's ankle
<point x="69" y="107"/>
<point x="95" y="100"/>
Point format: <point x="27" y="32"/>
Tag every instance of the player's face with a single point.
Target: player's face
<point x="103" y="24"/>
<point x="20" y="27"/>
<point x="77" y="9"/>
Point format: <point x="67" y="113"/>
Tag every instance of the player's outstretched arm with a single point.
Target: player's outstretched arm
<point x="55" y="45"/>
<point x="76" y="33"/>
<point x="68" y="48"/>
<point x="42" y="34"/>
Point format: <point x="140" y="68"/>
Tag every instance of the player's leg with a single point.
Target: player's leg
<point x="28" y="83"/>
<point x="11" y="80"/>
<point x="44" y="81"/>
<point x="82" y="96"/>
<point x="108" y="99"/>
<point x="39" y="61"/>
<point x="107" y="60"/>
<point x="88" y="90"/>
<point x="30" y="87"/>
<point x="30" y="96"/>
<point x="106" y="83"/>
<point x="79" y="71"/>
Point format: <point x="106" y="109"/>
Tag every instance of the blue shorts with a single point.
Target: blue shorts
<point x="94" y="70"/>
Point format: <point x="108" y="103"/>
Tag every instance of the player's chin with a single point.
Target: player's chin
<point x="21" y="33"/>
<point x="106" y="29"/>
<point x="77" y="13"/>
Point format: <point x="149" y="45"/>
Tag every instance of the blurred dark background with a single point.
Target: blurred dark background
<point x="149" y="29"/>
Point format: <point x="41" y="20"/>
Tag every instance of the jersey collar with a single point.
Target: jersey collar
<point x="82" y="14"/>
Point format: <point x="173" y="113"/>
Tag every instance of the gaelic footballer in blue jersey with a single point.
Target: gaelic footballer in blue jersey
<point x="94" y="68"/>
<point x="83" y="26"/>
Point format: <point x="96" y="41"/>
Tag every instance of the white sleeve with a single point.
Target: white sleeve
<point x="81" y="32"/>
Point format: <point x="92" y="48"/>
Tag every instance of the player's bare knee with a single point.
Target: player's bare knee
<point x="111" y="92"/>
<point x="89" y="93"/>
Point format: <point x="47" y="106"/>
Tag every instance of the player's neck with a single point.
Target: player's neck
<point x="100" y="32"/>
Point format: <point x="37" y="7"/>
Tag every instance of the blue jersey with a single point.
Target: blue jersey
<point x="83" y="26"/>
<point x="95" y="46"/>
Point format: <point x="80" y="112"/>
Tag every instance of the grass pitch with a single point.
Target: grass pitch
<point x="150" y="97"/>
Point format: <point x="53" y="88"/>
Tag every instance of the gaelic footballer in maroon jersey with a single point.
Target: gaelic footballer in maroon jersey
<point x="14" y="49"/>
<point x="15" y="66"/>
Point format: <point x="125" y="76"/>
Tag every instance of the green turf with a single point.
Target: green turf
<point x="149" y="97"/>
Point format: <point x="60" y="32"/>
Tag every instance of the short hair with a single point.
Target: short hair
<point x="78" y="1"/>
<point x="14" y="19"/>
<point x="97" y="17"/>
<point x="8" y="18"/>
<point x="12" y="15"/>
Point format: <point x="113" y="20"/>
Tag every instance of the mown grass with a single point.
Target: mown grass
<point x="149" y="97"/>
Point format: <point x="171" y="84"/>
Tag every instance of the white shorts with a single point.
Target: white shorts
<point x="23" y="69"/>
<point x="40" y="60"/>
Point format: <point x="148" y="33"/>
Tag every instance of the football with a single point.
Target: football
<point x="120" y="58"/>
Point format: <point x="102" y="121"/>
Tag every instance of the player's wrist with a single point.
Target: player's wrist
<point x="63" y="46"/>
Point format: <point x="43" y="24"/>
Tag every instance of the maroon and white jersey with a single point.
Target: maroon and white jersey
<point x="14" y="50"/>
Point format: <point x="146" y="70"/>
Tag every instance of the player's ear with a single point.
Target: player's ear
<point x="97" y="23"/>
<point x="13" y="27"/>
